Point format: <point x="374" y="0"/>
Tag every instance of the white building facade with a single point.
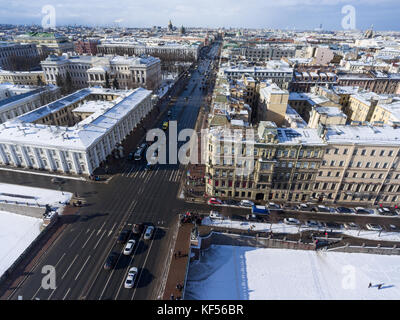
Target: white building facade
<point x="34" y="140"/>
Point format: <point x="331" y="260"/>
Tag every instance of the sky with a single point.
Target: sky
<point x="279" y="14"/>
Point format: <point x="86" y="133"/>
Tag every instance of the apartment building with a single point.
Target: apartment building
<point x="164" y="51"/>
<point x="273" y="102"/>
<point x="360" y="165"/>
<point x="326" y="116"/>
<point x="277" y="71"/>
<point x="267" y="52"/>
<point x="87" y="71"/>
<point x="11" y="52"/>
<point x="88" y="46"/>
<point x="388" y="112"/>
<point x="47" y="42"/>
<point x="352" y="165"/>
<point x="31" y="78"/>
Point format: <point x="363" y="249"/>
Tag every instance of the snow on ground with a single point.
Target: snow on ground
<point x="16" y="234"/>
<point x="285" y="228"/>
<point x="32" y="195"/>
<point x="241" y="273"/>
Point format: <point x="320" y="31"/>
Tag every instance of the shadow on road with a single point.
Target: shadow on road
<point x="146" y="277"/>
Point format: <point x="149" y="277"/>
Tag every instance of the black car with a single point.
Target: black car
<point x="111" y="261"/>
<point x="123" y="236"/>
<point x="344" y="210"/>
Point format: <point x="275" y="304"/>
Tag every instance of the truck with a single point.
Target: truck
<point x="259" y="210"/>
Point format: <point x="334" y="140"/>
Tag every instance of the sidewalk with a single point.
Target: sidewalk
<point x="177" y="268"/>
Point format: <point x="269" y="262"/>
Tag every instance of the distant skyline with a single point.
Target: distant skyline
<point x="278" y="14"/>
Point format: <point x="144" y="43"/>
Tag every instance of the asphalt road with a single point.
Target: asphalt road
<point x="133" y="196"/>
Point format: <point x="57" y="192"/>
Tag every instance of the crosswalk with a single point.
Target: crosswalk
<point x="163" y="173"/>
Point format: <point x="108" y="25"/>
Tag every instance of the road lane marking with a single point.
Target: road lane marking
<point x="88" y="238"/>
<point x="100" y="239"/>
<point x="82" y="268"/>
<point x="76" y="238"/>
<point x="101" y="228"/>
<point x="66" y="293"/>
<point x="69" y="266"/>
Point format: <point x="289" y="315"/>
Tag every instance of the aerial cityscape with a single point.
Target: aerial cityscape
<point x="219" y="150"/>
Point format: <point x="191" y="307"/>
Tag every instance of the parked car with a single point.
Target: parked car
<point x="385" y="212"/>
<point x="137" y="228"/>
<point x="361" y="210"/>
<point x="214" y="201"/>
<point x="130" y="279"/>
<point x="246" y="203"/>
<point x="129" y="247"/>
<point x="291" y="221"/>
<point x="321" y="208"/>
<point x="344" y="210"/>
<point x="57" y="180"/>
<point x="148" y="233"/>
<point x="123" y="236"/>
<point x="332" y="225"/>
<point x="274" y="206"/>
<point x="215" y="215"/>
<point x="231" y="202"/>
<point x="111" y="261"/>
<point x="373" y="227"/>
<point x="313" y="224"/>
<point x="302" y="206"/>
<point x="351" y="226"/>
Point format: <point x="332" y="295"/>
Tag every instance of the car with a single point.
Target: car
<point x="351" y="226"/>
<point x="215" y="215"/>
<point x="137" y="228"/>
<point x="111" y="261"/>
<point x="148" y="233"/>
<point x="130" y="155"/>
<point x="344" y="210"/>
<point x="393" y="227"/>
<point x="214" y="201"/>
<point x="274" y="206"/>
<point x="129" y="247"/>
<point x="231" y="202"/>
<point x="332" y="225"/>
<point x="165" y="125"/>
<point x="169" y="113"/>
<point x="302" y="206"/>
<point x="57" y="180"/>
<point x="321" y="208"/>
<point x="385" y="212"/>
<point x="361" y="210"/>
<point x="291" y="221"/>
<point x="130" y="279"/>
<point x="313" y="224"/>
<point x="246" y="203"/>
<point x="123" y="236"/>
<point x="373" y="227"/>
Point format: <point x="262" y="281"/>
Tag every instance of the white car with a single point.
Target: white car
<point x="351" y="226"/>
<point x="130" y="279"/>
<point x="129" y="247"/>
<point x="292" y="221"/>
<point x="148" y="233"/>
<point x="373" y="227"/>
<point x="246" y="203"/>
<point x="215" y="215"/>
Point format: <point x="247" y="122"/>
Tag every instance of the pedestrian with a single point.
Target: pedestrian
<point x="172" y="297"/>
<point x="370" y="285"/>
